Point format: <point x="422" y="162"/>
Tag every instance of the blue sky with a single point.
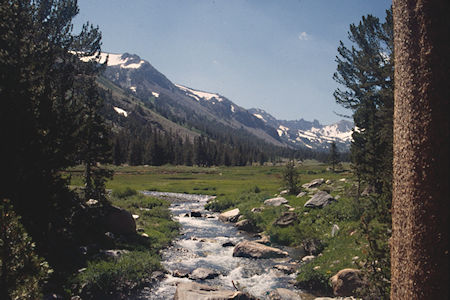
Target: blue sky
<point x="274" y="55"/>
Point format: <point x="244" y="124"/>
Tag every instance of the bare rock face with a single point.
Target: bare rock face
<point x="284" y="294"/>
<point x="275" y="201"/>
<point x="195" y="291"/>
<point x="346" y="281"/>
<point x="119" y="221"/>
<point x="257" y="250"/>
<point x="230" y="216"/>
<point x="320" y="200"/>
<point x="286" y="219"/>
<point x="203" y="274"/>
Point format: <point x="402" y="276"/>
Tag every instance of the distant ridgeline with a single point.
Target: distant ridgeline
<point x="157" y="122"/>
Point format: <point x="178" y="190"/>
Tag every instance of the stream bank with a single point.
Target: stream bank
<point x="203" y="244"/>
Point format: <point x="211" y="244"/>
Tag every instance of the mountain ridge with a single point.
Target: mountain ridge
<point x="193" y="106"/>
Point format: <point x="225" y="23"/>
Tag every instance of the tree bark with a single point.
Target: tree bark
<point x="420" y="207"/>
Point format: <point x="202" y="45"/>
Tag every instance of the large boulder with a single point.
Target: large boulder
<point x="284" y="294"/>
<point x="286" y="219"/>
<point x="313" y="184"/>
<point x="277" y="201"/>
<point x="230" y="216"/>
<point x="245" y="225"/>
<point x="257" y="250"/>
<point x="346" y="281"/>
<point x="119" y="221"/>
<point x="320" y="200"/>
<point x="203" y="274"/>
<point x="195" y="291"/>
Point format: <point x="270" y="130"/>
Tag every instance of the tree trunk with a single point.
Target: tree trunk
<point x="420" y="207"/>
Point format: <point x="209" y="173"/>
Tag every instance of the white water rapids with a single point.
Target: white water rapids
<point x="200" y="245"/>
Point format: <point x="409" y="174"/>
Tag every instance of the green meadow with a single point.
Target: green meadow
<point x="248" y="187"/>
<point x="217" y="181"/>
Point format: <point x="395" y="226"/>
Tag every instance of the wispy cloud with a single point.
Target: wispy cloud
<point x="303" y="36"/>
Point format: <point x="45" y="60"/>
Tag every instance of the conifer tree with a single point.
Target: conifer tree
<point x="334" y="156"/>
<point x="291" y="177"/>
<point x="42" y="117"/>
<point x="366" y="72"/>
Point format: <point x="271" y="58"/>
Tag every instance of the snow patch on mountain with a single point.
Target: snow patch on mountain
<point x="197" y="95"/>
<point x="125" y="60"/>
<point x="259" y="117"/>
<point x="282" y="130"/>
<point x="155" y="94"/>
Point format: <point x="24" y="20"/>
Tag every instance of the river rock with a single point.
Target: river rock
<point x="230" y="216"/>
<point x="245" y="225"/>
<point x="203" y="274"/>
<point x="277" y="201"/>
<point x="286" y="219"/>
<point x="228" y="244"/>
<point x="320" y="200"/>
<point x="284" y="294"/>
<point x="196" y="214"/>
<point x="119" y="221"/>
<point x="313" y="184"/>
<point x="287" y="269"/>
<point x="195" y="291"/>
<point x="265" y="240"/>
<point x="346" y="281"/>
<point x="256" y="250"/>
<point x="180" y="273"/>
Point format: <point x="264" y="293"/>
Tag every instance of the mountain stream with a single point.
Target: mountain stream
<point x="200" y="245"/>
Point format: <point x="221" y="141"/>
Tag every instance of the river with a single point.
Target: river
<point x="200" y="245"/>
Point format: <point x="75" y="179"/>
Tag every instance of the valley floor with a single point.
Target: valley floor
<point x="330" y="236"/>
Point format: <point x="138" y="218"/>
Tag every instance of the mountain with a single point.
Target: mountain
<point x="308" y="134"/>
<point x="206" y="112"/>
<point x="190" y="112"/>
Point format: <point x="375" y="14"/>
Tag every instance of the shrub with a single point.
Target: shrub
<point x="311" y="279"/>
<point x="117" y="277"/>
<point x="22" y="272"/>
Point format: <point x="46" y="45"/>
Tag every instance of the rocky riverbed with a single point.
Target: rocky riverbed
<point x="210" y="252"/>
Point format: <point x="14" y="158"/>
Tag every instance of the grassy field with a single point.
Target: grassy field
<point x="248" y="187"/>
<point x="217" y="181"/>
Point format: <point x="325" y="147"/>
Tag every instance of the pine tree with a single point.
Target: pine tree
<point x="366" y="73"/>
<point x="334" y="156"/>
<point x="291" y="177"/>
<point x="43" y="117"/>
<point x="93" y="136"/>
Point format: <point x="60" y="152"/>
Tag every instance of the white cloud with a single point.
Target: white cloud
<point x="303" y="36"/>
